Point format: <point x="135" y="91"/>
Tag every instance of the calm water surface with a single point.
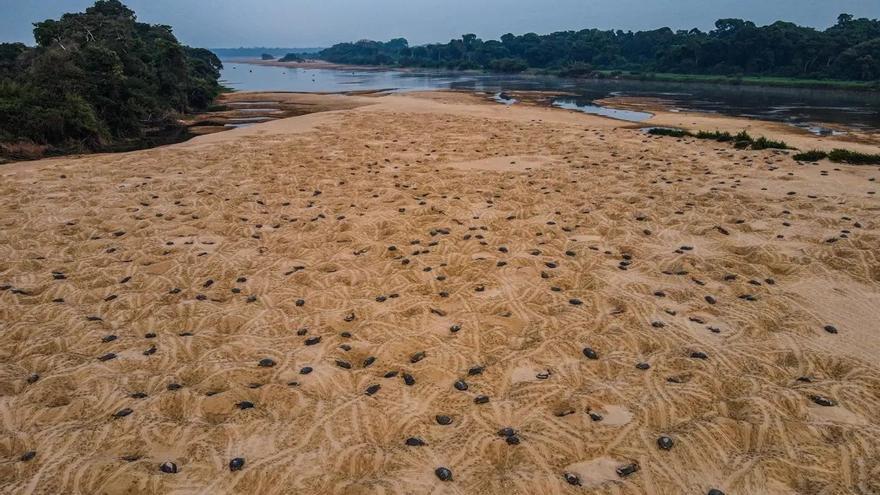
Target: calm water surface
<point x="801" y="107"/>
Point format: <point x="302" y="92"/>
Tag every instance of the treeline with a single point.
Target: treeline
<point x="98" y="78"/>
<point x="257" y="52"/>
<point x="849" y="50"/>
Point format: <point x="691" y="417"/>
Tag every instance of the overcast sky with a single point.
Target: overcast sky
<point x="307" y="23"/>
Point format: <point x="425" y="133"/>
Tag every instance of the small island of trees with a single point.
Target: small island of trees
<point x="97" y="79"/>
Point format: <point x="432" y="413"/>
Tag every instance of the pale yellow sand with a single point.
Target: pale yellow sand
<point x="307" y="208"/>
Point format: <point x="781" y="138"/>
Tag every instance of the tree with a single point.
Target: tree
<point x="98" y="77"/>
<point x="734" y="47"/>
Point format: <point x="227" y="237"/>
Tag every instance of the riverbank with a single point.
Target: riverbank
<point x="229" y="111"/>
<point x="350" y="300"/>
<point x="665" y="114"/>
<point x="766" y="81"/>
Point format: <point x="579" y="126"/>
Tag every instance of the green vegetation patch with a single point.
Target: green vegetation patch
<point x="811" y="156"/>
<point x="665" y="131"/>
<point x="839" y="156"/>
<point x="741" y="140"/>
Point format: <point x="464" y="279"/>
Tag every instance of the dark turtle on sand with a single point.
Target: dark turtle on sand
<point x="415" y="442"/>
<point x="626" y="470"/>
<point x="266" y="363"/>
<point x="443" y="473"/>
<point x="123" y="412"/>
<point x="27" y="456"/>
<point x="460" y="385"/>
<point x="506" y="432"/>
<point x="168" y="467"/>
<point x="443" y="420"/>
<point x="476" y="370"/>
<point x="665" y="443"/>
<point x="823" y="401"/>
<point x="236" y="464"/>
<point x="572" y="479"/>
<point x="590" y="353"/>
<point x="372" y="389"/>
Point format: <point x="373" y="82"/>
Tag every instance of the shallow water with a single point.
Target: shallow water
<point x="806" y="108"/>
<point x="614" y="113"/>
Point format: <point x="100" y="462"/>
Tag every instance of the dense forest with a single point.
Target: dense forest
<point x="99" y="78"/>
<point x="849" y="50"/>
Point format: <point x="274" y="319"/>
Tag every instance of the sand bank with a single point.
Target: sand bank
<point x="310" y="293"/>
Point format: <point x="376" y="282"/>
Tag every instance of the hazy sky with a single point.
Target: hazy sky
<point x="305" y="23"/>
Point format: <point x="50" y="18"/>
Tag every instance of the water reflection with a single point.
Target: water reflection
<point x="614" y="113"/>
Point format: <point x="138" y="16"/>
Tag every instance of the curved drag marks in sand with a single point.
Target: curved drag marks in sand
<point x="157" y="281"/>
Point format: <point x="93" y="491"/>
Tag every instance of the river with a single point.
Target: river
<point x="813" y="109"/>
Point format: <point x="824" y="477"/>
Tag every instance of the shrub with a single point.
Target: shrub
<point x="853" y="157"/>
<point x="763" y="143"/>
<point x="665" y="131"/>
<point x="740" y="141"/>
<point x="722" y="137"/>
<point x="811" y="156"/>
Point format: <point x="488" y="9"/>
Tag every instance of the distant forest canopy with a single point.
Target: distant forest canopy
<point x="257" y="52"/>
<point x="98" y="78"/>
<point x="848" y="50"/>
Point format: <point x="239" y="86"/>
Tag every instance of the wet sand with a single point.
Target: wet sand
<point x="435" y="294"/>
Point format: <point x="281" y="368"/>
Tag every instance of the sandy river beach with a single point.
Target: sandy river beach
<point x="536" y="300"/>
